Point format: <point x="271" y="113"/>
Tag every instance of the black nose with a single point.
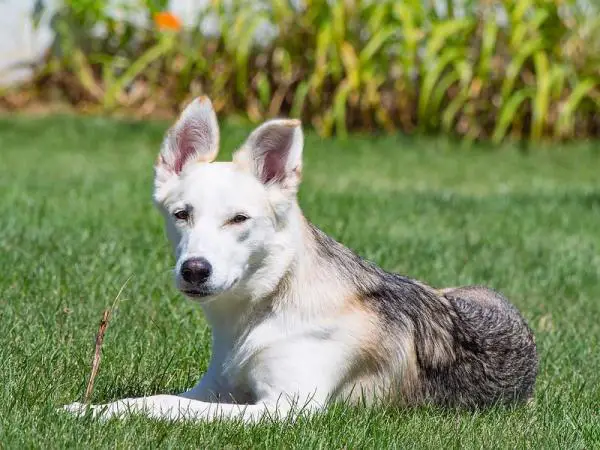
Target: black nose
<point x="196" y="270"/>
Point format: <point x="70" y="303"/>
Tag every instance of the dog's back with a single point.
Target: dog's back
<point x="465" y="346"/>
<point x="470" y="347"/>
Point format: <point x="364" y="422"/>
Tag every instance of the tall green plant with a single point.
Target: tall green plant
<point x="522" y="68"/>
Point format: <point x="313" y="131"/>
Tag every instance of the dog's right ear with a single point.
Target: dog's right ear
<point x="193" y="138"/>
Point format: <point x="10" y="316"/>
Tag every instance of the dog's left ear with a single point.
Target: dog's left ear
<point x="273" y="152"/>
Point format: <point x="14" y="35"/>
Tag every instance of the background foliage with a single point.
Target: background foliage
<point x="478" y="69"/>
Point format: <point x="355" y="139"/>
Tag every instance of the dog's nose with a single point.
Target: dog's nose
<point x="196" y="270"/>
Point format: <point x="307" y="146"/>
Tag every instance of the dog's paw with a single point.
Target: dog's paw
<point x="76" y="409"/>
<point x="80" y="410"/>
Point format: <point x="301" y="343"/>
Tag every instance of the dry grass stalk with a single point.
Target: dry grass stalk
<point x="106" y="316"/>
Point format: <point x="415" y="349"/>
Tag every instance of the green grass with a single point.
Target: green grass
<point x="76" y="220"/>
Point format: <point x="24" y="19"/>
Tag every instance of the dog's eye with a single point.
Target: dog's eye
<point x="181" y="214"/>
<point x="238" y="218"/>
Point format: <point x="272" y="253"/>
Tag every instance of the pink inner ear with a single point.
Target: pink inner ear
<point x="192" y="140"/>
<point x="274" y="167"/>
<point x="275" y="145"/>
<point x="183" y="154"/>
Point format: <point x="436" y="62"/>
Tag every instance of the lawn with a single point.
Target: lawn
<point x="76" y="221"/>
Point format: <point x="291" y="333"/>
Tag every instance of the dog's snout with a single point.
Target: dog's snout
<point x="196" y="270"/>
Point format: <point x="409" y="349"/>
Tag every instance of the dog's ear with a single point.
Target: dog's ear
<point x="193" y="138"/>
<point x="273" y="152"/>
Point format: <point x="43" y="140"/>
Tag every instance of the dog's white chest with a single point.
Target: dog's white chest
<point x="281" y="357"/>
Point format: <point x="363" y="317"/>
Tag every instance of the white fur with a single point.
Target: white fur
<point x="273" y="347"/>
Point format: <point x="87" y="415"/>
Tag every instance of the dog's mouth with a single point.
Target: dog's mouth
<point x="197" y="293"/>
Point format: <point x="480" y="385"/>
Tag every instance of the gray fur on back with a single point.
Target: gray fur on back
<point x="473" y="348"/>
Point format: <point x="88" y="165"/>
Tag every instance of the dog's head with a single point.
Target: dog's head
<point x="228" y="221"/>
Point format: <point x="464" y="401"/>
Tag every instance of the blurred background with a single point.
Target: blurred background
<point x="526" y="69"/>
<point x="514" y="205"/>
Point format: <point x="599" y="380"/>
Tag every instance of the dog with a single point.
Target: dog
<point x="298" y="320"/>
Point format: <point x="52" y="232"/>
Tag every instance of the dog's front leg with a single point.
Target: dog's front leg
<point x="173" y="407"/>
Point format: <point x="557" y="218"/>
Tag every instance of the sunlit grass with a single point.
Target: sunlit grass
<point x="76" y="220"/>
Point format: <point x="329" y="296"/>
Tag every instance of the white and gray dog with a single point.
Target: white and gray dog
<point x="298" y="320"/>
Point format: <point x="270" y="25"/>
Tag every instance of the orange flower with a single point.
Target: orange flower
<point x="167" y="21"/>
